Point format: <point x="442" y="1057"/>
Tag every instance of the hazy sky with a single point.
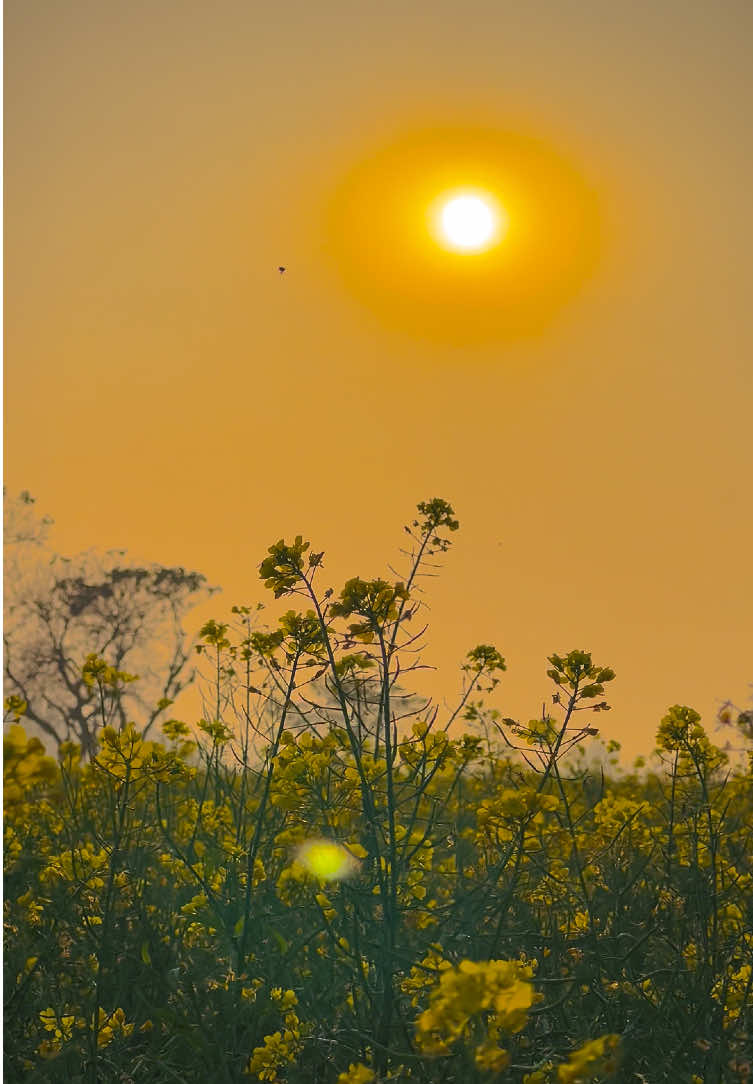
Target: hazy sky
<point x="169" y="393"/>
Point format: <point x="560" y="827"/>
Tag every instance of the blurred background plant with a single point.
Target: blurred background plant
<point x="58" y="610"/>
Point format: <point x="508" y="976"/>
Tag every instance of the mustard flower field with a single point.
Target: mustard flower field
<point x="329" y="881"/>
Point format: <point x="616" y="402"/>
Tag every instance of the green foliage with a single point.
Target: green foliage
<point x="266" y="643"/>
<point x="436" y="514"/>
<point x="341" y="889"/>
<point x="283" y="569"/>
<point x="572" y="669"/>
<point x="15" y="706"/>
<point x="374" y="600"/>
<point x="96" y="671"/>
<point x="214" y="635"/>
<point x="485" y="657"/>
<point x="302" y="632"/>
<point x="353" y="663"/>
<point x="576" y="672"/>
<point x="679" y="727"/>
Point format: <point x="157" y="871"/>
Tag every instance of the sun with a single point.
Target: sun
<point x="469" y="221"/>
<point x="459" y="235"/>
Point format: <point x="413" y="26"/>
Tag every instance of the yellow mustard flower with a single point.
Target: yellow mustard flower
<point x="594" y="1057"/>
<point x="357" y="1074"/>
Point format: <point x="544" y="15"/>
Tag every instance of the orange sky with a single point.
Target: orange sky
<point x="166" y="392"/>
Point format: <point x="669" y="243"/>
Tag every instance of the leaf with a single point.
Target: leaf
<point x="145" y="956"/>
<point x="282" y="944"/>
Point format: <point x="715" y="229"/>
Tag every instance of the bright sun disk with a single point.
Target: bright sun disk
<point x="470" y="222"/>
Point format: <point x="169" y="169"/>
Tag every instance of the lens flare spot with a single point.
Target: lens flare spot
<point x="327" y="860"/>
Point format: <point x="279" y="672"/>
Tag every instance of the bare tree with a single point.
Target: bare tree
<point x="59" y="610"/>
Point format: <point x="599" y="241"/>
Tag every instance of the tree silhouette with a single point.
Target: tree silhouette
<point x="60" y="610"/>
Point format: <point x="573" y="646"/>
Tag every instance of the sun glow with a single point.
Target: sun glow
<point x="462" y="235"/>
<point x="470" y="222"/>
